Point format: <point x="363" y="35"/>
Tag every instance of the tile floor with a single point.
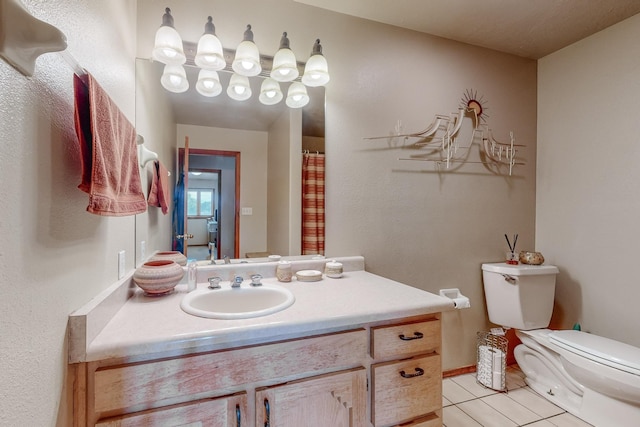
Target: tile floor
<point x="468" y="404"/>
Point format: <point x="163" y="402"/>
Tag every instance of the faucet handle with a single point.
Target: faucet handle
<point x="214" y="282"/>
<point x="255" y="280"/>
<point x="237" y="281"/>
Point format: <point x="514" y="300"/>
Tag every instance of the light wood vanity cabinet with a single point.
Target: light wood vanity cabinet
<point x="380" y="375"/>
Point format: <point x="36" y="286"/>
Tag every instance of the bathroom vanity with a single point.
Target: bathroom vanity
<point x="361" y="350"/>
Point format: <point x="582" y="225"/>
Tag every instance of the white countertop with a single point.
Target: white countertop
<point x="150" y="325"/>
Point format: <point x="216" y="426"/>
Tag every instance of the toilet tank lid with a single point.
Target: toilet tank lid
<point x="520" y="269"/>
<point x="600" y="349"/>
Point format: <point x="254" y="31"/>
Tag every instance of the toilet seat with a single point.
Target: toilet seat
<point x="599" y="349"/>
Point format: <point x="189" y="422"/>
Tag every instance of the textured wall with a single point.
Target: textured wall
<point x="54" y="256"/>
<point x="589" y="180"/>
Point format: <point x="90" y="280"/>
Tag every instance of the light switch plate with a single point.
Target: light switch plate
<point x="143" y="251"/>
<point x="247" y="211"/>
<point x="121" y="264"/>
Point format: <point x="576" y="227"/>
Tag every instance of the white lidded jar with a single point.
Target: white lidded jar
<point x="333" y="269"/>
<point x="284" y="273"/>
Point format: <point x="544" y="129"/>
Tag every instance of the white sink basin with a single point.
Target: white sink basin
<point x="237" y="303"/>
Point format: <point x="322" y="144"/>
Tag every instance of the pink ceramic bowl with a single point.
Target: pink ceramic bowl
<point x="158" y="277"/>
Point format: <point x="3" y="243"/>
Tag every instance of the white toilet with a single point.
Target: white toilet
<point x="594" y="378"/>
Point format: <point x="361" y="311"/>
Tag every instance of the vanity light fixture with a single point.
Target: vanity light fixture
<point x="270" y="93"/>
<point x="174" y="78"/>
<point x="239" y="87"/>
<point x="297" y="96"/>
<point x="168" y="45"/>
<point x="247" y="60"/>
<point x="209" y="55"/>
<point x="208" y="83"/>
<point x="285" y="68"/>
<point x="316" y="71"/>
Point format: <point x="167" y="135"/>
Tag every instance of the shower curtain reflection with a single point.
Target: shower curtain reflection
<point x="313" y="203"/>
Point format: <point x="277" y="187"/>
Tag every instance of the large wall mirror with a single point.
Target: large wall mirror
<point x="251" y="211"/>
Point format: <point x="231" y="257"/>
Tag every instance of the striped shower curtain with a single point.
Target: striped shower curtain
<point x="312" y="204"/>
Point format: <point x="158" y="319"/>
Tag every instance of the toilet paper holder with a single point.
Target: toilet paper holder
<point x="459" y="301"/>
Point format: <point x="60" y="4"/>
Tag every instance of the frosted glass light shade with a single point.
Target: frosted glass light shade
<point x="209" y="54"/>
<point x="208" y="83"/>
<point x="316" y="72"/>
<point x="168" y="44"/>
<point x="168" y="47"/>
<point x="297" y="96"/>
<point x="284" y="68"/>
<point x="239" y="87"/>
<point x="174" y="78"/>
<point x="270" y="93"/>
<point x="247" y="59"/>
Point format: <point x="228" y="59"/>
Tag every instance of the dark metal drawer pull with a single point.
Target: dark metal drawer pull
<point x="416" y="336"/>
<point x="418" y="372"/>
<point x="267" y="423"/>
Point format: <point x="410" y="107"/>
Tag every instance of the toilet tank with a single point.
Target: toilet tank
<point x="519" y="296"/>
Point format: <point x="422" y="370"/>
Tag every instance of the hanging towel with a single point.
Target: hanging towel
<point x="109" y="153"/>
<point x="159" y="193"/>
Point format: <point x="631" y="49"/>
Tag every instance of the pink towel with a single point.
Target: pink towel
<point x="159" y="193"/>
<point x="109" y="152"/>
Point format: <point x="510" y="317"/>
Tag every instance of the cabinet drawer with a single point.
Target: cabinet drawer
<point x="406" y="339"/>
<point x="228" y="411"/>
<point x="406" y="389"/>
<point x="144" y="385"/>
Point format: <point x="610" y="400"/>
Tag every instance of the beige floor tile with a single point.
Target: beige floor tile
<point x="511" y="409"/>
<point x="536" y="403"/>
<point x="485" y="414"/>
<point x="568" y="420"/>
<point x="541" y="423"/>
<point x="455" y="393"/>
<point x="515" y="379"/>
<point x="453" y="416"/>
<point x="469" y="383"/>
<point x="515" y="369"/>
<point x="446" y="402"/>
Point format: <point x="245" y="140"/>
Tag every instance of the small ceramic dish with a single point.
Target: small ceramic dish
<point x="309" y="275"/>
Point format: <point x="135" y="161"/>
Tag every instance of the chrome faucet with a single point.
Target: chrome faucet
<point x="226" y="259"/>
<point x="214" y="282"/>
<point x="237" y="281"/>
<point x="255" y="280"/>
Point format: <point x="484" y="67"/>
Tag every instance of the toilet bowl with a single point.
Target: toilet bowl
<point x="594" y="378"/>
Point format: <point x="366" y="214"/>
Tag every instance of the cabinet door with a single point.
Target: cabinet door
<point x="230" y="411"/>
<point x="336" y="400"/>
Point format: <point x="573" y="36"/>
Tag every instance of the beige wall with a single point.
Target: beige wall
<point x="252" y="146"/>
<point x="284" y="173"/>
<point x="589" y="179"/>
<point x="157" y="126"/>
<point x="55" y="256"/>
